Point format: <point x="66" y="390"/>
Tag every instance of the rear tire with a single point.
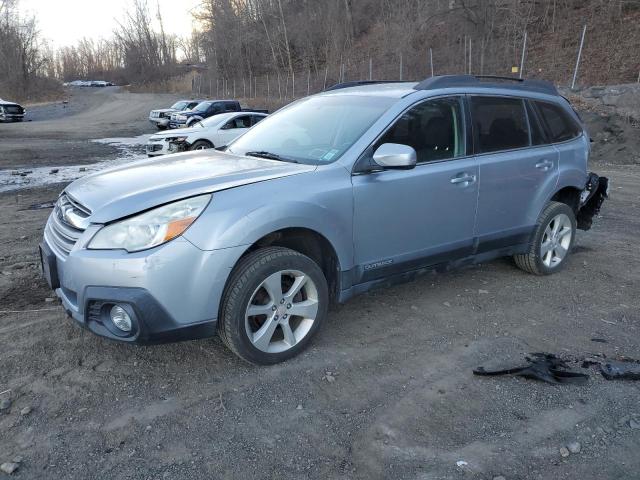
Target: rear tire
<point x="275" y="301"/>
<point x="552" y="241"/>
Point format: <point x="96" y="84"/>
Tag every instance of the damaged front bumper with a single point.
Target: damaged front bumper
<point x="175" y="147"/>
<point x="591" y="199"/>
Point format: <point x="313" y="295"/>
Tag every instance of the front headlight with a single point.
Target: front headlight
<point x="181" y="117"/>
<point x="151" y="228"/>
<point x="176" y="139"/>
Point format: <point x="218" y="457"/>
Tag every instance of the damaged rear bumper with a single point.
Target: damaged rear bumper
<point x="591" y="199"/>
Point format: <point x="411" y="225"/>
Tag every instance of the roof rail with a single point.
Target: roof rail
<point x="489" y="81"/>
<point x="357" y="83"/>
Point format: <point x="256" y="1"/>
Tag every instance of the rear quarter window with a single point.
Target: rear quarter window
<point x="557" y="122"/>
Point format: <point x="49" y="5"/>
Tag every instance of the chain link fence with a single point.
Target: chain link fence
<point x="529" y="56"/>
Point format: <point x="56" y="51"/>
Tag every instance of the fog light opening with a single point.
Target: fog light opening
<point x="120" y="318"/>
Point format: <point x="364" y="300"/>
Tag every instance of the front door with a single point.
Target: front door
<point x="234" y="128"/>
<point x="408" y="219"/>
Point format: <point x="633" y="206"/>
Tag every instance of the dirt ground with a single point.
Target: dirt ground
<point x="400" y="401"/>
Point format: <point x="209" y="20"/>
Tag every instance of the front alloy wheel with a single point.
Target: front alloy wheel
<point x="282" y="311"/>
<point x="274" y="303"/>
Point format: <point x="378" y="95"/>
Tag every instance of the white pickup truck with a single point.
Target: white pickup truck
<point x="160" y="117"/>
<point x="11" y="112"/>
<point x="212" y="132"/>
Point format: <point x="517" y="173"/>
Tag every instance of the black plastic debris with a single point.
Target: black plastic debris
<point x="545" y="367"/>
<point x="614" y="370"/>
<point x="591" y="200"/>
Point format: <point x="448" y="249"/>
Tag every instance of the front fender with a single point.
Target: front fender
<point x="241" y="216"/>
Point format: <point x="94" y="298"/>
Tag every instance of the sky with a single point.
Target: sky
<point x="64" y="22"/>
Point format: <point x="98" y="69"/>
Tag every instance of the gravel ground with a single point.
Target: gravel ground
<point x="385" y="391"/>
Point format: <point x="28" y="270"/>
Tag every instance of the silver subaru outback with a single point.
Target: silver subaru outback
<point x="360" y="186"/>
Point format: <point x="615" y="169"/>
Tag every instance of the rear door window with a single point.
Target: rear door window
<point x="500" y="123"/>
<point x="216" y="107"/>
<point x="558" y="124"/>
<point x="256" y="119"/>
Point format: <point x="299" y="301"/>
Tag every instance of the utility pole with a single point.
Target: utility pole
<point x="431" y="59"/>
<point x="524" y="49"/>
<point x="575" y="72"/>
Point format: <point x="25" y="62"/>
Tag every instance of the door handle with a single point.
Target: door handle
<point x="544" y="165"/>
<point x="463" y="178"/>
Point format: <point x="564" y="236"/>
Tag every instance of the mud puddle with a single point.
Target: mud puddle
<point x="129" y="150"/>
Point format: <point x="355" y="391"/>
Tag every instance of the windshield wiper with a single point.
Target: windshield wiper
<point x="270" y="156"/>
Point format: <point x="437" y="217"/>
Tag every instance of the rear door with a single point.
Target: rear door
<point x="408" y="219"/>
<point x="518" y="170"/>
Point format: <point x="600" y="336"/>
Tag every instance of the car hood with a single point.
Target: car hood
<point x="189" y="113"/>
<point x="177" y="132"/>
<point x="164" y="110"/>
<point x="121" y="191"/>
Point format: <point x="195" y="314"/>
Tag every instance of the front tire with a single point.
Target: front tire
<point x="552" y="241"/>
<point x="201" y="145"/>
<point x="275" y="301"/>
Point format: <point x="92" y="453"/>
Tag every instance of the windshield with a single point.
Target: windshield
<point x="202" y="107"/>
<point x="180" y="105"/>
<point x="315" y="130"/>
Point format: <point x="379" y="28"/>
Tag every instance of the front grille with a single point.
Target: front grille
<point x="62" y="234"/>
<point x="154" y="148"/>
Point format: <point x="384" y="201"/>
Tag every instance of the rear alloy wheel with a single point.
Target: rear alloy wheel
<point x="552" y="241"/>
<point x="201" y="145"/>
<point x="274" y="303"/>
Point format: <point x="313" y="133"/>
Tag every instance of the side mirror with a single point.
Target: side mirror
<point x="395" y="156"/>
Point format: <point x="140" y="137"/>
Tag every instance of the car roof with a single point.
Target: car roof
<point x="453" y="83"/>
<point x="230" y="115"/>
<point x="374" y="89"/>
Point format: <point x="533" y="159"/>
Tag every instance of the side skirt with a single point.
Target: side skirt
<point x="412" y="274"/>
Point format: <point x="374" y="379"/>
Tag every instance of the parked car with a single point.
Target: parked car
<point x="11" y="112"/>
<point x="212" y="132"/>
<point x="207" y="109"/>
<point x="160" y="118"/>
<point x="88" y="83"/>
<point x="329" y="197"/>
